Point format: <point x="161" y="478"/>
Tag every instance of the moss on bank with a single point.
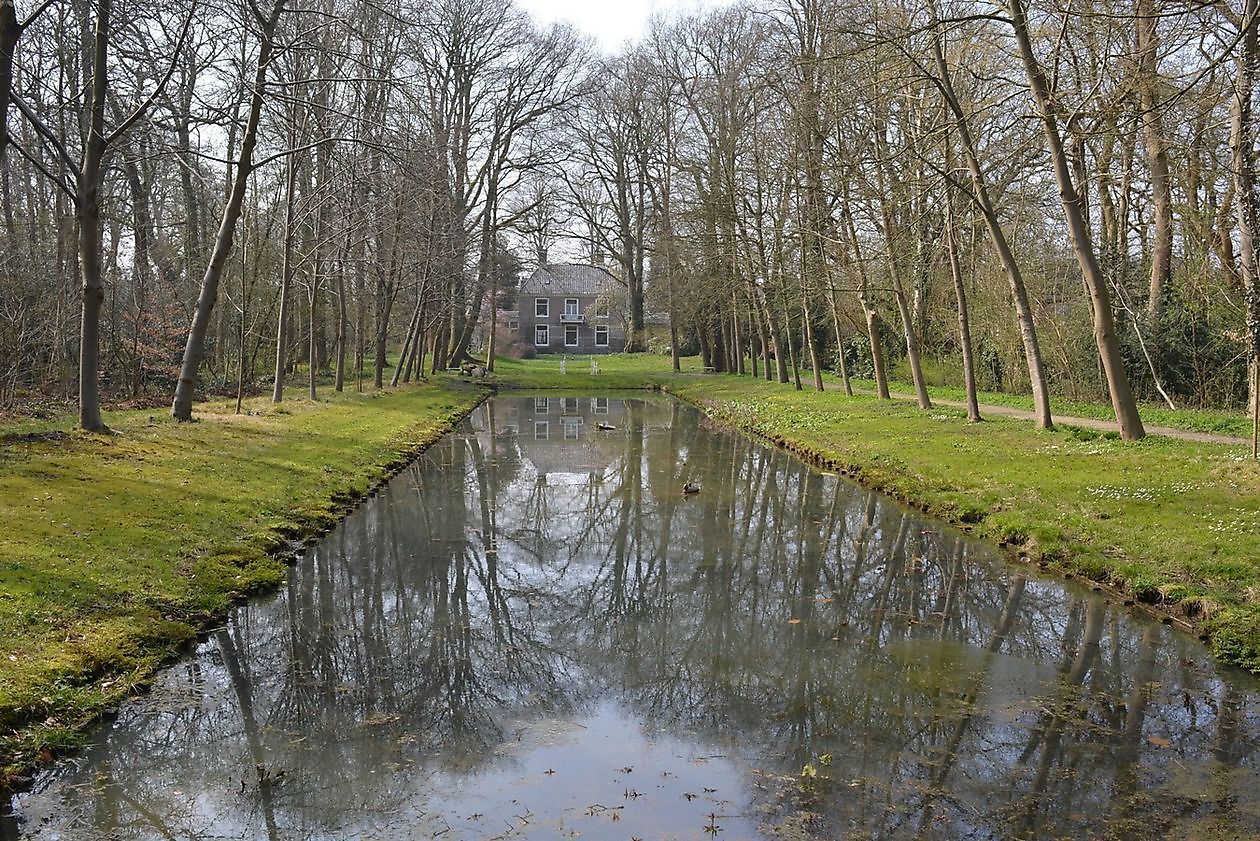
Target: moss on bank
<point x="117" y="548"/>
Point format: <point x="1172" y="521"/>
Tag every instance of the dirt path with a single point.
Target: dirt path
<point x="1089" y="423"/>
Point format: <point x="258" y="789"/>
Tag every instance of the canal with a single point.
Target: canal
<point x="534" y="633"/>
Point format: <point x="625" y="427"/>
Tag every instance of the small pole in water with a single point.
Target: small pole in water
<point x="564" y="365"/>
<point x="594" y="366"/>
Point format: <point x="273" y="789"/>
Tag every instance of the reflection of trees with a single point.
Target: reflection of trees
<point x="942" y="685"/>
<point x="780" y="610"/>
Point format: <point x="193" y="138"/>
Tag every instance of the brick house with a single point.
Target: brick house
<point x="571" y="308"/>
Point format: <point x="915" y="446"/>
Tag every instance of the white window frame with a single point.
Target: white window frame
<point x="544" y="331"/>
<point x="599" y="328"/>
<point x="600" y="405"/>
<point x="572" y="431"/>
<point x="542" y="308"/>
<point x="513" y="325"/>
<point x="542" y="430"/>
<point x="569" y="405"/>
<point x="576" y="337"/>
<point x="541" y="404"/>
<point x="572" y="306"/>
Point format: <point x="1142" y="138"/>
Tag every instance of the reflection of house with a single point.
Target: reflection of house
<point x="561" y="434"/>
<point x="570" y="308"/>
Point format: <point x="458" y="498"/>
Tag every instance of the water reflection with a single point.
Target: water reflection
<point x="533" y="633"/>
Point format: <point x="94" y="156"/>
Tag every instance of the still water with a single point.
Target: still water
<point x="532" y="633"/>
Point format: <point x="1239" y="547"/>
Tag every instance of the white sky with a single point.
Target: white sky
<point x="610" y="22"/>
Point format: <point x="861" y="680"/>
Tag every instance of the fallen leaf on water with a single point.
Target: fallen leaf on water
<point x="1159" y="740"/>
<point x="794" y="621"/>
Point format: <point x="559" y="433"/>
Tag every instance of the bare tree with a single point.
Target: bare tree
<point x="181" y="406"/>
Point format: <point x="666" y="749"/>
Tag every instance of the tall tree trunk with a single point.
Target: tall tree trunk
<point x="141" y="271"/>
<point x="997" y="236"/>
<point x="841" y="362"/>
<point x="343" y="325"/>
<point x="808" y="317"/>
<point x="314" y="334"/>
<point x="964" y="321"/>
<point x="1246" y="202"/>
<point x="776" y="338"/>
<point x="10" y="33"/>
<point x="1148" y="14"/>
<point x="895" y="266"/>
<point x="868" y="311"/>
<point x="181" y="406"/>
<point x="1122" y="401"/>
<point x="240" y="332"/>
<point x="88" y="215"/>
<point x="409" y="342"/>
<point x="286" y="281"/>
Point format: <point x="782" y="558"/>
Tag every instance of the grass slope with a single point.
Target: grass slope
<point x="617" y="372"/>
<point x="116" y="548"/>
<point x="1215" y="421"/>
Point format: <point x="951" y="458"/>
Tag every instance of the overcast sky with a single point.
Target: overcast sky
<point x="611" y="22"/>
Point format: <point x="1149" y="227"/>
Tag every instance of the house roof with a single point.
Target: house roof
<point x="568" y="279"/>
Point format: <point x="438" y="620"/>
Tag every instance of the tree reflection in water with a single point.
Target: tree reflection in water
<point x="532" y="571"/>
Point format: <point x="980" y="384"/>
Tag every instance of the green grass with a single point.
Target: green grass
<point x="617" y="372"/>
<point x="1213" y="421"/>
<point x="117" y="548"/>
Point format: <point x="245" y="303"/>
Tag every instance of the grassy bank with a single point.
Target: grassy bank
<point x="635" y="371"/>
<point x="1171" y="523"/>
<point x="617" y="372"/>
<point x="116" y="548"/>
<point x="1213" y="421"/>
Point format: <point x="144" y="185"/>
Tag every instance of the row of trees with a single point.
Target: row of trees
<point x="863" y="183"/>
<point x="1059" y="199"/>
<point x="263" y="186"/>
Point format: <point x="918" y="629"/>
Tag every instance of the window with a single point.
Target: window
<point x="600" y="405"/>
<point x="570" y="335"/>
<point x="572" y="431"/>
<point x="541" y="405"/>
<point x="569" y="405"/>
<point x="542" y="429"/>
<point x="514" y="325"/>
<point x="601" y="336"/>
<point x="542" y="307"/>
<point x="570" y="306"/>
<point x="542" y="335"/>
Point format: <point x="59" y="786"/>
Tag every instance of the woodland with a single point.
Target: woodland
<point x="214" y="197"/>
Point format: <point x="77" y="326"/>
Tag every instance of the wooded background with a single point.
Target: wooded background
<point x="215" y="195"/>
